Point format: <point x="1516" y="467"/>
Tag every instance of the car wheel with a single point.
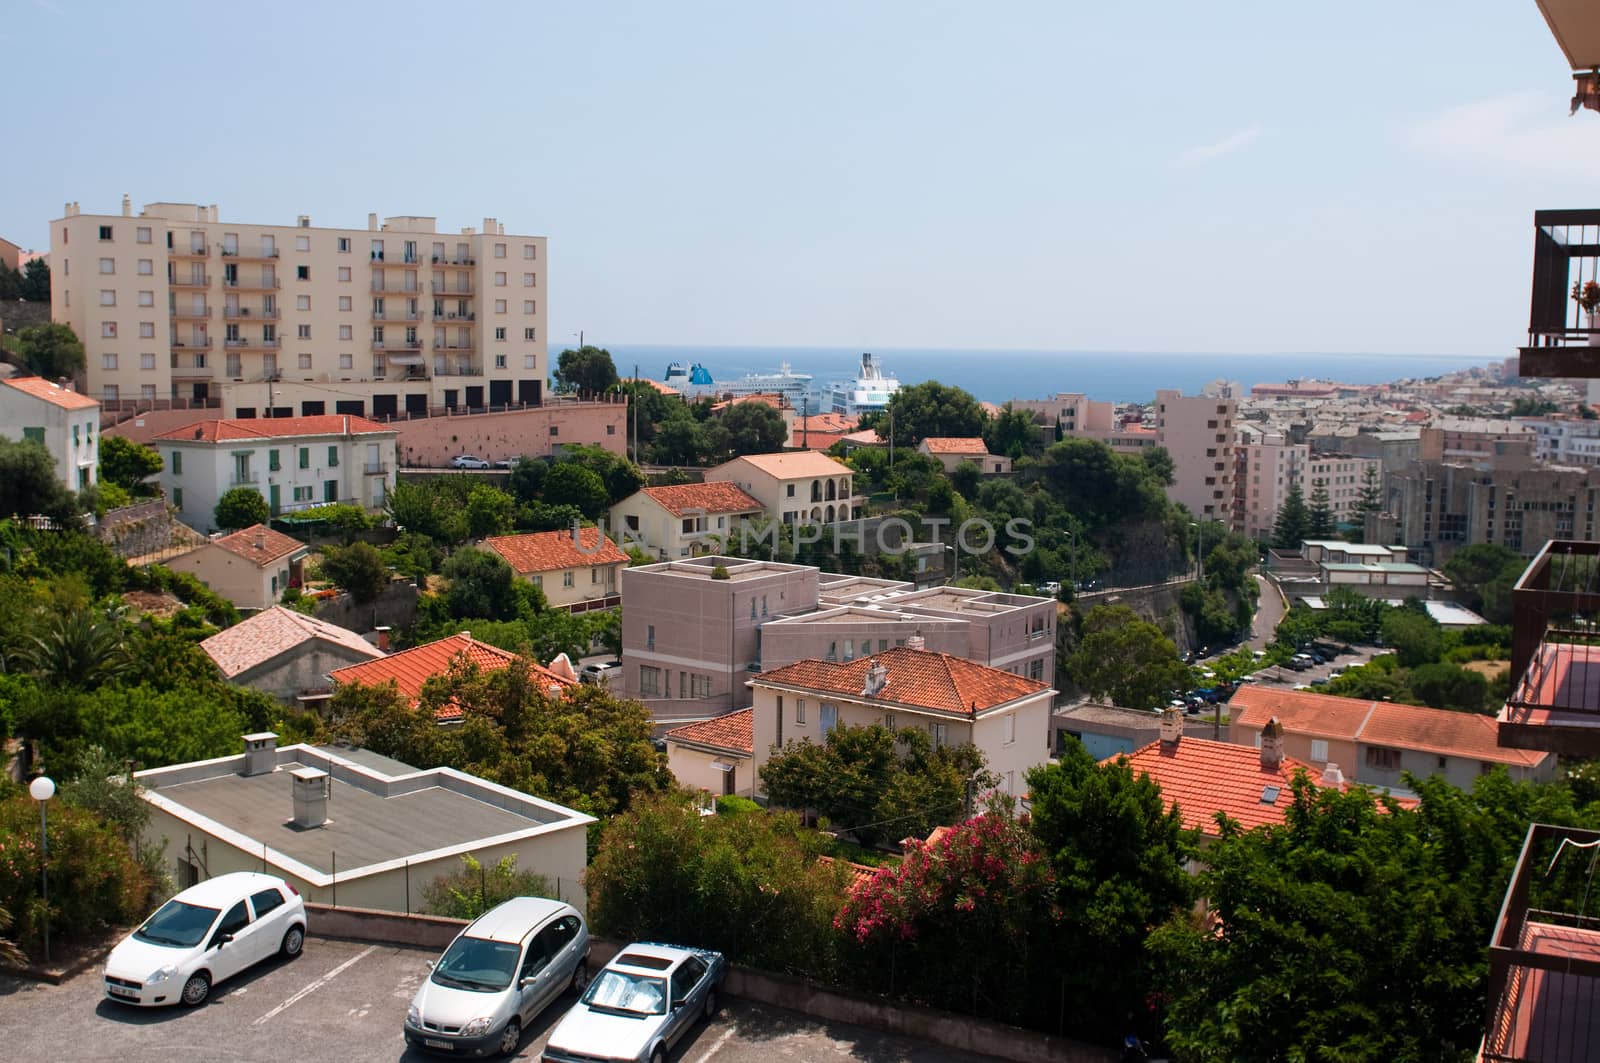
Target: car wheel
<point x="293" y="940"/>
<point x="580" y="978"/>
<point x="196" y="989"/>
<point x="511" y="1038"/>
<point x="711" y="1005"/>
<point x="659" y="1055"/>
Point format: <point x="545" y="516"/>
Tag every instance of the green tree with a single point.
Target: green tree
<point x="754" y="428"/>
<point x="36" y="281"/>
<point x="1015" y="433"/>
<point x="51" y="351"/>
<point x="473" y="890"/>
<point x="154" y="728"/>
<point x="127" y="464"/>
<point x="430" y="509"/>
<point x="490" y="511"/>
<point x="1414" y="635"/>
<point x="1293" y="524"/>
<point x="928" y="409"/>
<point x="571" y="484"/>
<point x="240" y="507"/>
<point x="527" y="479"/>
<point x="1485" y="573"/>
<point x="481" y="585"/>
<point x="1126" y="659"/>
<point x="1369" y="502"/>
<point x="29" y="484"/>
<point x="966" y="478"/>
<point x="1449" y="686"/>
<point x="84" y="647"/>
<point x="587" y="371"/>
<point x="1319" y="516"/>
<point x="358" y="568"/>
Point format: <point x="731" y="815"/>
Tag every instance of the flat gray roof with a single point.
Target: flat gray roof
<point x="368" y="759"/>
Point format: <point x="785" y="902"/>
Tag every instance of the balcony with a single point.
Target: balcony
<point x="189" y="313"/>
<point x="258" y="284"/>
<point x="260" y="254"/>
<point x="413" y="260"/>
<point x="396" y="287"/>
<point x="189" y="252"/>
<point x="403" y="316"/>
<point x="457" y="367"/>
<point x="251" y="313"/>
<point x="192" y="344"/>
<point x="375" y="468"/>
<point x="457" y="260"/>
<point x="191" y="281"/>
<point x="253" y="344"/>
<point x="1563" y="339"/>
<point x="453" y="316"/>
<point x="391" y="346"/>
<point x="1544" y="956"/>
<point x="461" y="288"/>
<point x="1555" y="659"/>
<point x="454" y="348"/>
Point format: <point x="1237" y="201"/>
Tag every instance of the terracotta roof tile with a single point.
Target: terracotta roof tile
<point x="955" y="445"/>
<point x="1203" y="778"/>
<point x="867" y="437"/>
<point x="54" y="394"/>
<point x="860" y="874"/>
<point x="259" y="638"/>
<point x="917" y="679"/>
<point x="764" y="398"/>
<point x="719" y="496"/>
<point x="786" y="466"/>
<point x="552" y="550"/>
<point x="409" y="669"/>
<point x="260" y="544"/>
<point x="732" y="732"/>
<point x="224" y="430"/>
<point x="1301" y="712"/>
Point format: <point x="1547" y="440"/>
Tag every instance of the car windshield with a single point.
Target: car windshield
<point x="624" y="991"/>
<point x="177" y="925"/>
<point x="477" y="964"/>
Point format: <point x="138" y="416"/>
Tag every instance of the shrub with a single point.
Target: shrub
<point x="734" y="805"/>
<point x="468" y="893"/>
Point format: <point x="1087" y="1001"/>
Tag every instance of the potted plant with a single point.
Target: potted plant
<point x="1587" y="295"/>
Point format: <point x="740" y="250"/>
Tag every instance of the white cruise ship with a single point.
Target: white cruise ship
<point x="868" y="393"/>
<point x="791" y="385"/>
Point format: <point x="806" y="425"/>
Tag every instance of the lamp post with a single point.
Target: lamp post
<point x="1200" y="554"/>
<point x="43" y="789"/>
<point x="1072" y="560"/>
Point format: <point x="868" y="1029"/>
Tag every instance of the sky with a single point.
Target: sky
<point x="1237" y="177"/>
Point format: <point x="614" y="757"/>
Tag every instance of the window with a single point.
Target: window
<point x="147" y="298"/>
<point x="147" y="268"/>
<point x="699" y="686"/>
<point x="177" y="497"/>
<point x="147" y="392"/>
<point x="1011" y="727"/>
<point x="800" y="712"/>
<point x="499" y="361"/>
<point x="302" y="302"/>
<point x="531" y="361"/>
<point x="1383" y="759"/>
<point x="649" y="681"/>
<point x="333" y="457"/>
<point x="685" y="978"/>
<point x="147" y="330"/>
<point x="530" y="251"/>
<point x="499" y="250"/>
<point x="345" y="332"/>
<point x="302" y="273"/>
<point x="305" y="457"/>
<point x="142" y="234"/>
<point x="147" y="361"/>
<point x="527" y="334"/>
<point x="529" y="306"/>
<point x="344" y="275"/>
<point x="273" y="464"/>
<point x="499" y="280"/>
<point x="791" y="490"/>
<point x="650" y="637"/>
<point x="344" y="245"/>
<point x="940" y="733"/>
<point x="108" y="361"/>
<point x="108" y="330"/>
<point x="500" y="334"/>
<point x="566" y="578"/>
<point x="176" y="464"/>
<point x="105" y="232"/>
<point x="108" y="297"/>
<point x="302" y="494"/>
<point x="346" y="361"/>
<point x="303" y="359"/>
<point x="303" y="331"/>
<point x="1319" y="749"/>
<point x="528" y="280"/>
<point x="108" y="265"/>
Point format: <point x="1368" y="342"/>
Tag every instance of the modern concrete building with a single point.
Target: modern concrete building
<point x="292" y="462"/>
<point x="956" y="701"/>
<point x="176" y="306"/>
<point x="1268" y="467"/>
<point x="63" y="422"/>
<point x="351" y="828"/>
<point x="1439" y="507"/>
<point x="1508" y="444"/>
<point x="286" y="654"/>
<point x="683" y="520"/>
<point x="251" y="567"/>
<point x="1199" y="435"/>
<point x="577" y="570"/>
<point x="798" y="487"/>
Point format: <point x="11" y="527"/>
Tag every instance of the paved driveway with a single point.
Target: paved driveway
<point x="346" y="1001"/>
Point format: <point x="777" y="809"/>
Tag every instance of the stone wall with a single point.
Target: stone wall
<point x="396" y="607"/>
<point x="147" y="530"/>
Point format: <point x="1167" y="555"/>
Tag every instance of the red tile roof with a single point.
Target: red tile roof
<point x="955" y="445"/>
<point x="732" y="732"/>
<point x="716" y="497"/>
<point x="54" y="394"/>
<point x="765" y="398"/>
<point x="867" y="437"/>
<point x="259" y="638"/>
<point x="860" y="874"/>
<point x="787" y="466"/>
<point x="409" y="669"/>
<point x="1203" y="778"/>
<point x="917" y="679"/>
<point x="553" y="550"/>
<point x="1380" y="723"/>
<point x="220" y="431"/>
<point x="260" y="544"/>
<point x="826" y="422"/>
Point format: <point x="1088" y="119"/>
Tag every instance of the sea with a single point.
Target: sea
<point x="999" y="375"/>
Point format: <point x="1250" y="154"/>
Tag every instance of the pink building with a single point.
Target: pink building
<point x="536" y="433"/>
<point x="1198" y="433"/>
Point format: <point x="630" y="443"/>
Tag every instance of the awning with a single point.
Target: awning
<point x="405" y="358"/>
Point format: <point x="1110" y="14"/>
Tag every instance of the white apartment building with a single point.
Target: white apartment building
<point x="178" y="308"/>
<point x="1269" y="466"/>
<point x="805" y="487"/>
<point x="1566" y="441"/>
<point x="1341" y="476"/>
<point x="62" y="421"/>
<point x="294" y="462"/>
<point x="1199" y="435"/>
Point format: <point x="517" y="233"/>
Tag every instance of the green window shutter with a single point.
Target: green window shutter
<point x="33" y="435"/>
<point x="177" y="497"/>
<point x="305" y="457"/>
<point x="177" y="466"/>
<point x="272" y="461"/>
<point x="333" y="457"/>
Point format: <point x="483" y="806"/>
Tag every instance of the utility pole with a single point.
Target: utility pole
<point x="805" y="428"/>
<point x="633" y="412"/>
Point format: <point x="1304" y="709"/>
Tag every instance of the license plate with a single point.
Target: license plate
<point x="431" y="1043"/>
<point x="119" y="991"/>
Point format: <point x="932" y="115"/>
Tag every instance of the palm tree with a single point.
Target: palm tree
<point x="10" y="954"/>
<point x="84" y="648"/>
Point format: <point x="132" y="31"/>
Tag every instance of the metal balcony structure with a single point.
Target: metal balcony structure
<point x="1555" y="653"/>
<point x="1563" y="337"/>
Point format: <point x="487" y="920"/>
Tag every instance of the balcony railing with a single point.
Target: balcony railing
<point x="396" y="287"/>
<point x="192" y="344"/>
<point x="258" y="284"/>
<point x="457" y="260"/>
<point x="249" y="479"/>
<point x="1563" y="338"/>
<point x="1555" y="653"/>
<point x="401" y="259"/>
<point x="191" y="281"/>
<point x="374" y="468"/>
<point x="254" y="313"/>
<point x="188" y="252"/>
<point x="253" y="344"/>
<point x="260" y="254"/>
<point x="462" y="287"/>
<point x="445" y="367"/>
<point x="189" y="313"/>
<point x="396" y="345"/>
<point x="397" y="315"/>
<point x="439" y="345"/>
<point x="454" y="316"/>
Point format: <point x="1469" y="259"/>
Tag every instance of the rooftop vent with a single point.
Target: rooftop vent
<point x="1332" y="776"/>
<point x="916" y="641"/>
<point x="260" y="753"/>
<point x="311" y="789"/>
<point x="877" y="679"/>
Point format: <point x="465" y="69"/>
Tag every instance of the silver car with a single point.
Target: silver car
<point x="497" y="975"/>
<point x="639" y="1006"/>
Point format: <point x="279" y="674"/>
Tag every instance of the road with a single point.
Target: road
<point x="347" y="1001"/>
<point x="1269" y="611"/>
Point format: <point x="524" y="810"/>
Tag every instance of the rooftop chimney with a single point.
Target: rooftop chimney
<point x="1171" y="727"/>
<point x="1272" y="745"/>
<point x="877" y="678"/>
<point x="372" y="222"/>
<point x="1332" y="776"/>
<point x="260" y="753"/>
<point x="261" y="539"/>
<point x="304" y="221"/>
<point x="383" y="638"/>
<point x="916" y="641"/>
<point x="127" y="206"/>
<point x="311" y="786"/>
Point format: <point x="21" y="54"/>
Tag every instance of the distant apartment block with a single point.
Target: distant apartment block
<point x="177" y="307"/>
<point x="1435" y="508"/>
<point x="1270" y="466"/>
<point x="65" y="423"/>
<point x="1566" y="440"/>
<point x="1081" y="417"/>
<point x="1479" y="441"/>
<point x="1199" y="435"/>
<point x="768" y="614"/>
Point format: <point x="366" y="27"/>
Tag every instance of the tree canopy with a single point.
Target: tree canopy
<point x="240" y="507"/>
<point x="1293" y="524"/>
<point x="587" y="371"/>
<point x="754" y="428"/>
<point x="930" y="408"/>
<point x="51" y="351"/>
<point x="358" y="568"/>
<point x="29" y="484"/>
<point x="1125" y="659"/>
<point x="126" y="463"/>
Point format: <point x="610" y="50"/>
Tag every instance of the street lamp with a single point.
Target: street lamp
<point x="42" y="790"/>
<point x="1200" y="554"/>
<point x="1072" y="559"/>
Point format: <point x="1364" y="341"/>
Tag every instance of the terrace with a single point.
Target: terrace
<point x="1555" y="653"/>
<point x="1563" y="338"/>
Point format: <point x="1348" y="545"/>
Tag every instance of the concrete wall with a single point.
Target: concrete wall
<point x="535" y="433"/>
<point x="396" y="607"/>
<point x="304" y="668"/>
<point x="242" y="582"/>
<point x="693" y="768"/>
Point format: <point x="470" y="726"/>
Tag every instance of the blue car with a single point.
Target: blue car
<point x="639" y="1006"/>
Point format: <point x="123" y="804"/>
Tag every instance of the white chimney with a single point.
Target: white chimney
<point x="372" y="222"/>
<point x="876" y="679"/>
<point x="260" y="753"/>
<point x="383" y="637"/>
<point x="261" y="539"/>
<point x="1171" y="727"/>
<point x="1332" y="776"/>
<point x="304" y="221"/>
<point x="127" y="206"/>
<point x="311" y="786"/>
<point x="1272" y="745"/>
<point x="916" y="641"/>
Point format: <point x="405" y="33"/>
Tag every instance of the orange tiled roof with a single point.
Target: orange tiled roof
<point x="259" y="638"/>
<point x="860" y="874"/>
<point x="409" y="669"/>
<point x="223" y="430"/>
<point x="955" y="445"/>
<point x="553" y="550"/>
<point x="867" y="437"/>
<point x="718" y="496"/>
<point x="787" y="466"/>
<point x="765" y="398"/>
<point x="917" y="679"/>
<point x="664" y="389"/>
<point x="54" y="394"/>
<point x="826" y="423"/>
<point x="260" y="544"/>
<point x="1203" y="778"/>
<point x="1300" y="711"/>
<point x="732" y="732"/>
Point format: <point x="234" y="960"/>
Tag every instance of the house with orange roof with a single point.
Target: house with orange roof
<point x="715" y="755"/>
<point x="65" y="423"/>
<point x="795" y="487"/>
<point x="251" y="567"/>
<point x="952" y="699"/>
<point x="286" y="654"/>
<point x="292" y="462"/>
<point x="1375" y="742"/>
<point x="683" y="520"/>
<point x="409" y="669"/>
<point x="951" y="451"/>
<point x="578" y="570"/>
<point x="819" y="431"/>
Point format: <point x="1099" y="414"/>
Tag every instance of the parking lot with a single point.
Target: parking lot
<point x="1282" y="676"/>
<point x="347" y="1000"/>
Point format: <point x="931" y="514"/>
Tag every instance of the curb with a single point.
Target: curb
<point x="56" y="975"/>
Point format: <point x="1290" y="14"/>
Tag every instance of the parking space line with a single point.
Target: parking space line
<point x="717" y="1046"/>
<point x="316" y="984"/>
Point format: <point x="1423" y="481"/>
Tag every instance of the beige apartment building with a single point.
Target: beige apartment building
<point x="176" y="307"/>
<point x="1199" y="435"/>
<point x="797" y="487"/>
<point x="1269" y="466"/>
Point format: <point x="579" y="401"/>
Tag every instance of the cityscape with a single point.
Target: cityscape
<point x="1139" y="630"/>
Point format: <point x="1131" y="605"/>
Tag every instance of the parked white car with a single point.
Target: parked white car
<point x="640" y="1005"/>
<point x="600" y="673"/>
<point x="497" y="975"/>
<point x="204" y="936"/>
<point x="468" y="461"/>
